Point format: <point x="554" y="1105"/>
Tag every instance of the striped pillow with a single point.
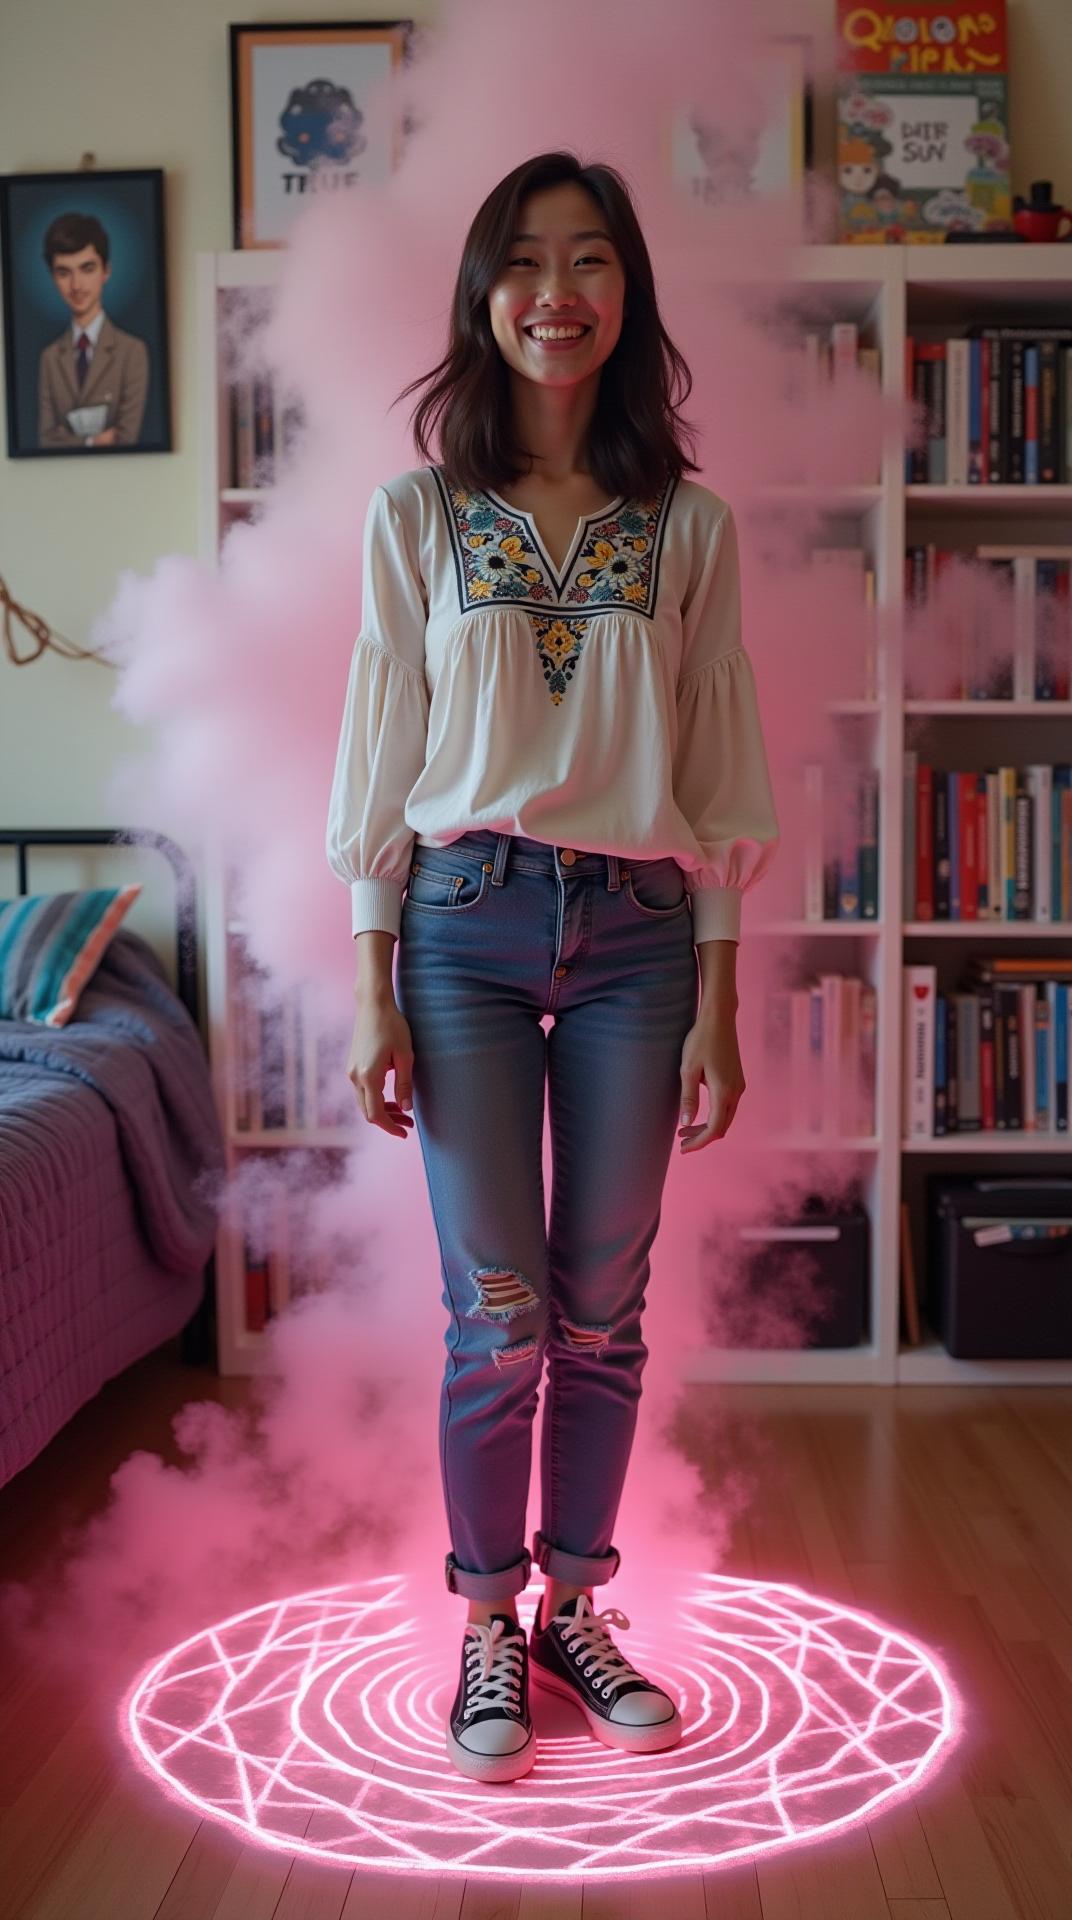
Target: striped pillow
<point x="50" y="945"/>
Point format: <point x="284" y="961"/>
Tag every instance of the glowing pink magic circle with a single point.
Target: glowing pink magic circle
<point x="316" y="1724"/>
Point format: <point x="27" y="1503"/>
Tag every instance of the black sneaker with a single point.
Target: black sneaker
<point x="490" y="1735"/>
<point x="573" y="1655"/>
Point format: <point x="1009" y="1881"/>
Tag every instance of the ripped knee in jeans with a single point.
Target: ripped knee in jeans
<point x="584" y="1339"/>
<point x="500" y="1293"/>
<point x="519" y="1350"/>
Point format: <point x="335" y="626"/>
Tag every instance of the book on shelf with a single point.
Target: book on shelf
<point x="835" y="352"/>
<point x="820" y="1042"/>
<point x="992" y="1055"/>
<point x="270" y="1075"/>
<point x="283" y="1266"/>
<point x="279" y="1255"/>
<point x="293" y="1081"/>
<point x="910" y="1327"/>
<point x="255" y="1274"/>
<point x="994" y="844"/>
<point x="244" y="1033"/>
<point x="841" y="823"/>
<point x="1041" y="664"/>
<point x="852" y="575"/>
<point x="922" y="121"/>
<point x="996" y="406"/>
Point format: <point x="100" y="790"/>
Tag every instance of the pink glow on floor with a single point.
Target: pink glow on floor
<point x="315" y="1724"/>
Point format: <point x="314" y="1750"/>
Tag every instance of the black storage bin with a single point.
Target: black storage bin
<point x="837" y="1240"/>
<point x="999" y="1265"/>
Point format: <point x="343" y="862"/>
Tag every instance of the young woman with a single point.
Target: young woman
<point x="551" y="742"/>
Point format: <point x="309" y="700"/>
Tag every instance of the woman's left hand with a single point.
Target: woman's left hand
<point x="711" y="1054"/>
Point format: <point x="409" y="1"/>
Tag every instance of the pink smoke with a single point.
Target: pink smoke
<point x="238" y="675"/>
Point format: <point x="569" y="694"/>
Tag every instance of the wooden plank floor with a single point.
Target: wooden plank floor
<point x="946" y="1510"/>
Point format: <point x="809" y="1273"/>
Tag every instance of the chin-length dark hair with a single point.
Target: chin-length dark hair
<point x="635" y="435"/>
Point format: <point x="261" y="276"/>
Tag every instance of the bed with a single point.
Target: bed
<point x="111" y="1155"/>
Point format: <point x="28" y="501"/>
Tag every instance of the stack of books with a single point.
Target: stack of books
<point x="994" y="407"/>
<point x="281" y="1262"/>
<point x="841" y="824"/>
<point x="991" y="1056"/>
<point x="264" y="431"/>
<point x="993" y="623"/>
<point x="819" y="1047"/>
<point x="989" y="845"/>
<point x="288" y="1069"/>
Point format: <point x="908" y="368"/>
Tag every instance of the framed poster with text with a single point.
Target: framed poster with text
<point x="300" y="117"/>
<point x="772" y="155"/>
<point x="922" y="122"/>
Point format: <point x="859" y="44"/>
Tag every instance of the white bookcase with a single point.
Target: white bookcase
<point x="890" y="292"/>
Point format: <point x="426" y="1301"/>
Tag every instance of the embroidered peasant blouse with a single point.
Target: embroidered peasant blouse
<point x="608" y="706"/>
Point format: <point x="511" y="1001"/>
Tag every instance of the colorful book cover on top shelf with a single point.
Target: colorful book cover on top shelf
<point x="922" y="127"/>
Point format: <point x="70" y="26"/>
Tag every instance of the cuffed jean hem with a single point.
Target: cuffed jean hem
<point x="576" y="1569"/>
<point x="489" y="1586"/>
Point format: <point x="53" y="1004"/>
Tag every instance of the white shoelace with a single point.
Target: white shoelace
<point x="585" y="1635"/>
<point x="499" y="1681"/>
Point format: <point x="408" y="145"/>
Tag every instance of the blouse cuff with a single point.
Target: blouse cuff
<point x="716" y="913"/>
<point x="377" y="903"/>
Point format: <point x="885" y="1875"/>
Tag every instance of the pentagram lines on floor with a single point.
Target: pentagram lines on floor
<point x="945" y="1514"/>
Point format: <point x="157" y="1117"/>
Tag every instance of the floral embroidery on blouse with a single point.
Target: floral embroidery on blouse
<point x="616" y="564"/>
<point x="558" y="648"/>
<point x="500" y="561"/>
<point x="618" y="567"/>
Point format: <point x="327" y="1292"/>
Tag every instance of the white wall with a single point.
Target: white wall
<point x="145" y="83"/>
<point x="137" y="83"/>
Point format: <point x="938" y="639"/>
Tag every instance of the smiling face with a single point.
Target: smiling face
<point x="562" y="271"/>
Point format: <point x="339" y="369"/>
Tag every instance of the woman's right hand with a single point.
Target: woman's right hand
<point x="381" y="1039"/>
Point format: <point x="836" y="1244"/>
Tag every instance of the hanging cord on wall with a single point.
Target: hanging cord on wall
<point x="40" y="631"/>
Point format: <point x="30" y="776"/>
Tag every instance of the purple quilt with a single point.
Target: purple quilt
<point x="110" y="1154"/>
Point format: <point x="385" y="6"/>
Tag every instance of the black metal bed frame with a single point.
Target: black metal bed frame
<point x="198" y="1339"/>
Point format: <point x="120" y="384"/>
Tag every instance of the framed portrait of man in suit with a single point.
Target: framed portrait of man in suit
<point x="85" y="312"/>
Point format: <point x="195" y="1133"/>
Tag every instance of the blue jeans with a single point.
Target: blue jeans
<point x="499" y="930"/>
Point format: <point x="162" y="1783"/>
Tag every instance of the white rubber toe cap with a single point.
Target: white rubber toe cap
<point x="493" y="1736"/>
<point x="643" y="1710"/>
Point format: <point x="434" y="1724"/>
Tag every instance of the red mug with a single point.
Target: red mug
<point x="1035" y="224"/>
